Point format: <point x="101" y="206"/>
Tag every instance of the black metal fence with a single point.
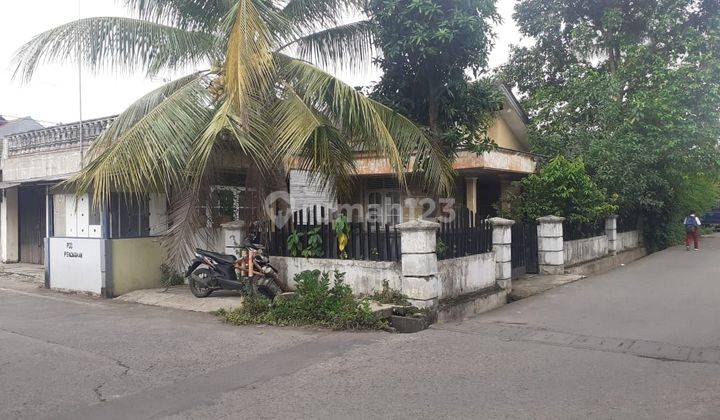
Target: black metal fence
<point x="467" y="234"/>
<point x="524" y="248"/>
<point x="317" y="238"/>
<point x="574" y="230"/>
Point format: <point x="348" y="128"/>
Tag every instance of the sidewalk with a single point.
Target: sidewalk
<point x="179" y="297"/>
<point x="533" y="284"/>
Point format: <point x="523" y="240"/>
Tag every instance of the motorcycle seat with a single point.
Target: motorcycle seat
<point x="226" y="258"/>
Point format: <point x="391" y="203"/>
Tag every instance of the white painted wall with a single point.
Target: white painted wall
<point x="364" y="277"/>
<point x="9" y="225"/>
<point x="468" y="274"/>
<point x="628" y="240"/>
<point x="76" y="264"/>
<point x="583" y="250"/>
<point x="457" y="276"/>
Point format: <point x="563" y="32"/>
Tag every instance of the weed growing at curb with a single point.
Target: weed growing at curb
<point x="390" y="296"/>
<point x="315" y="303"/>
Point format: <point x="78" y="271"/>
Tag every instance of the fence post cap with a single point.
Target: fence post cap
<point x="551" y="219"/>
<point x="418" y="224"/>
<point x="612" y="216"/>
<point x="499" y="221"/>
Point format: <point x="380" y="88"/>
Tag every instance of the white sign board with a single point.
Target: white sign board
<point x="76" y="264"/>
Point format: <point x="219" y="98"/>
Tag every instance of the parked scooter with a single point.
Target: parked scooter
<point x="250" y="274"/>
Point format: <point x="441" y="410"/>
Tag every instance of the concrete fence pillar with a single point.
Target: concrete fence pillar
<point x="233" y="236"/>
<point x="551" y="253"/>
<point x="420" y="281"/>
<point x="501" y="241"/>
<point x="611" y="233"/>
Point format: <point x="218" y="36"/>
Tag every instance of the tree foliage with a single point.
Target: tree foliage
<point x="561" y="188"/>
<point x="428" y="46"/>
<point x="260" y="98"/>
<point x="634" y="88"/>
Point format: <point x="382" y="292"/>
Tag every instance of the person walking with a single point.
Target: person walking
<point x="692" y="226"/>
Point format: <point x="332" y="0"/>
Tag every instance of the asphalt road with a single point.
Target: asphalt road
<point x="642" y="341"/>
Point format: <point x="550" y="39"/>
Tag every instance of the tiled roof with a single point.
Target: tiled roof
<point x="18" y="126"/>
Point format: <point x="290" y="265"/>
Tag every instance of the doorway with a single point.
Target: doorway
<point x="31" y="215"/>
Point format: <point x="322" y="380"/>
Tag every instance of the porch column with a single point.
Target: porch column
<point x="502" y="240"/>
<point x="611" y="233"/>
<point x="551" y="251"/>
<point x="471" y="194"/>
<point x="419" y="262"/>
<point x="9" y="229"/>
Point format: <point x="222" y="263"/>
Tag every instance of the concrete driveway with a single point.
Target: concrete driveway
<point x="637" y="342"/>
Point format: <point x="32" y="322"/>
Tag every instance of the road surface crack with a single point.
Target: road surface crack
<point x="98" y="392"/>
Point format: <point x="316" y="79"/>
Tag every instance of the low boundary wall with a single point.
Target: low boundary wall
<point x="458" y="276"/>
<point x="628" y="240"/>
<point x="583" y="250"/>
<point x="364" y="277"/>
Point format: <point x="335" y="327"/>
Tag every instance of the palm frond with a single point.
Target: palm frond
<point x="307" y="140"/>
<point x="138" y="110"/>
<point x="152" y="153"/>
<point x="428" y="161"/>
<point x="117" y="43"/>
<point x="351" y="111"/>
<point x="343" y="47"/>
<point x="251" y="136"/>
<point x="249" y="67"/>
<point x="201" y="15"/>
<point x="315" y="14"/>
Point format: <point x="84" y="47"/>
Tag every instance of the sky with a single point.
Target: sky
<point x="52" y="96"/>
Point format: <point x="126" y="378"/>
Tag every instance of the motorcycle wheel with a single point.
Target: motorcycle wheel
<point x="195" y="288"/>
<point x="268" y="287"/>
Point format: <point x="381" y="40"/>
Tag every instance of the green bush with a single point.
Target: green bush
<point x="561" y="188"/>
<point x="315" y="302"/>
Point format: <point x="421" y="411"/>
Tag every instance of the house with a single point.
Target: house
<point x="480" y="182"/>
<point x="112" y="248"/>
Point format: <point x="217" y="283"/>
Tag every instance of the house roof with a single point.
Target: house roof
<point x="515" y="116"/>
<point x="19" y="125"/>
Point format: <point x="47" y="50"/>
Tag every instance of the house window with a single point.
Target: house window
<point x="129" y="216"/>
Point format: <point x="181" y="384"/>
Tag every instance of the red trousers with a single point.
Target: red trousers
<point x="692" y="236"/>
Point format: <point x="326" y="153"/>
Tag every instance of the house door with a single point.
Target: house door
<point x="31" y="214"/>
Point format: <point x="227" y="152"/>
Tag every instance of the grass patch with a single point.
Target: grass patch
<point x="315" y="303"/>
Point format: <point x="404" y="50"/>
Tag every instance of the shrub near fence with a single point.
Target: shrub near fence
<point x="467" y="234"/>
<point x="573" y="231"/>
<point x="371" y="241"/>
<point x="627" y="224"/>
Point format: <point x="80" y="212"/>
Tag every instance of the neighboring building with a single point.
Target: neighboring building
<point x="480" y="182"/>
<point x="19" y="125"/>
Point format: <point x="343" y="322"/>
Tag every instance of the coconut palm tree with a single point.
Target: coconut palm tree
<point x="260" y="94"/>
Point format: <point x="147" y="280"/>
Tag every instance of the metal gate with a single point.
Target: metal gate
<point x="524" y="249"/>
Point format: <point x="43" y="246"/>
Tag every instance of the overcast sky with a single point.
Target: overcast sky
<point x="52" y="95"/>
